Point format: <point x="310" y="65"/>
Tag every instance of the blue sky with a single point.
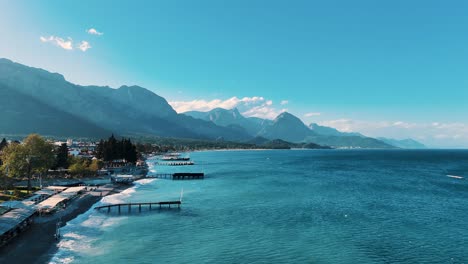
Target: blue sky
<point x="383" y="68"/>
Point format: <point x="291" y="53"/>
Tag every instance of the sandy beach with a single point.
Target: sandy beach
<point x="37" y="244"/>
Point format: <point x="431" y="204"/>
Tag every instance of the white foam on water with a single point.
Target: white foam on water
<point x="455" y="177"/>
<point x="73" y="235"/>
<point x="118" y="197"/>
<point x="79" y="234"/>
<point x="144" y="181"/>
<point x="101" y="221"/>
<point x="80" y="245"/>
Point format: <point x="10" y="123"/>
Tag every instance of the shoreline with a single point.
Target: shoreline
<point x="37" y="244"/>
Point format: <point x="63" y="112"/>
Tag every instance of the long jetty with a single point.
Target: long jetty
<point x="178" y="176"/>
<point x="175" y="163"/>
<point x="139" y="205"/>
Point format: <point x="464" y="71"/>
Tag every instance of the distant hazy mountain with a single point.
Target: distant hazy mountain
<point x="330" y="131"/>
<point x="403" y="143"/>
<point x="289" y="128"/>
<point x="282" y="144"/>
<point x="348" y="141"/>
<point x="127" y="110"/>
<point x="224" y="117"/>
<point x="286" y="127"/>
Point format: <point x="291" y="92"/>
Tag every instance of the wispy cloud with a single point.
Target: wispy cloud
<point x="59" y="42"/>
<point x="256" y="106"/>
<point x="312" y="114"/>
<point x="264" y="112"/>
<point x="93" y="31"/>
<point x="84" y="46"/>
<point x="66" y="44"/>
<point x="284" y="102"/>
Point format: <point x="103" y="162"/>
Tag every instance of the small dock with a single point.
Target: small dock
<point x="175" y="163"/>
<point x="179" y="176"/>
<point x="149" y="205"/>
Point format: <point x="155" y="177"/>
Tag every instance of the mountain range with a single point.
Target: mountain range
<point x="33" y="100"/>
<point x="127" y="110"/>
<point x="289" y="128"/>
<point x="403" y="143"/>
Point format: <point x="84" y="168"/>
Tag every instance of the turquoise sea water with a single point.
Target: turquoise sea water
<point x="297" y="206"/>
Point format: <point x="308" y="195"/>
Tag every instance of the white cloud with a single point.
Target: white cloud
<point x="59" y="42"/>
<point x="263" y="112"/>
<point x="93" y="31"/>
<point x="436" y="134"/>
<point x="84" y="46"/>
<point x="312" y="114"/>
<point x="256" y="106"/>
<point x="284" y="102"/>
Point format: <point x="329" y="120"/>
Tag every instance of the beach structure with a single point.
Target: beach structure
<point x="129" y="206"/>
<point x="45" y="193"/>
<point x="149" y="205"/>
<point x="55" y="189"/>
<point x="52" y="203"/>
<point x="175" y="163"/>
<point x="124" y="178"/>
<point x="17" y="217"/>
<point x="178" y="176"/>
<point x="41" y="195"/>
<point x="123" y="168"/>
<point x="174" y="157"/>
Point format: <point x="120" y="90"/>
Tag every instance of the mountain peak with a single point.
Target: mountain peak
<point x="287" y="127"/>
<point x="5" y="60"/>
<point x="285" y="116"/>
<point x="235" y="111"/>
<point x="11" y="69"/>
<point x="407" y="143"/>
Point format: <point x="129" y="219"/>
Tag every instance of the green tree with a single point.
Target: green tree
<point x="100" y="149"/>
<point x="35" y="155"/>
<point x="95" y="165"/>
<point x="3" y="144"/>
<point x="113" y="149"/>
<point x="62" y="156"/>
<point x="78" y="166"/>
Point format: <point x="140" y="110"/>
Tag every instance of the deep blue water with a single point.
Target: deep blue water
<point x="298" y="206"/>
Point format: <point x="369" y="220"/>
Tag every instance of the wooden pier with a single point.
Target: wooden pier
<point x="175" y="163"/>
<point x="178" y="176"/>
<point x="149" y="205"/>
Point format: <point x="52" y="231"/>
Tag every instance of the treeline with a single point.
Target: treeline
<point x="113" y="149"/>
<point x="75" y="165"/>
<point x="148" y="144"/>
<point x="35" y="156"/>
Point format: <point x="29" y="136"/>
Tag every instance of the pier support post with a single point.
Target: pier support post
<point x="119" y="208"/>
<point x="139" y="207"/>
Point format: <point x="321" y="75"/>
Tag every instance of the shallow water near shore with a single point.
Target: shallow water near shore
<point x="296" y="206"/>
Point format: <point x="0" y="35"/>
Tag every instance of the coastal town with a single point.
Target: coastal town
<point x="45" y="181"/>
